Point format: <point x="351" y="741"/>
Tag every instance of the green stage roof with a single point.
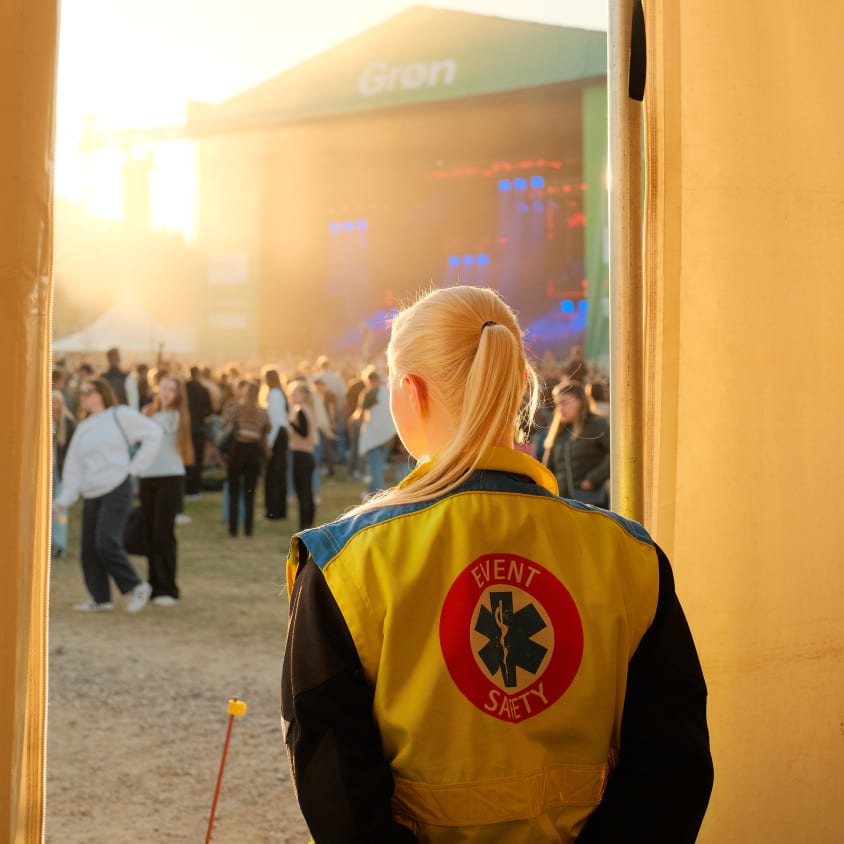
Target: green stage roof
<point x="422" y="55"/>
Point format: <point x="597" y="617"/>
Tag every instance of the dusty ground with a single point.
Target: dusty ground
<point x="138" y="703"/>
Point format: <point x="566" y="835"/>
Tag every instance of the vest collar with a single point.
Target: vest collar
<point x="511" y="460"/>
<point x="498" y="459"/>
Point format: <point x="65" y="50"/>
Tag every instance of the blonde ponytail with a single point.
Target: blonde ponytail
<point x="466" y="344"/>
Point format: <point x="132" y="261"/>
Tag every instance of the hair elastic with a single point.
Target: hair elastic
<point x="491" y="322"/>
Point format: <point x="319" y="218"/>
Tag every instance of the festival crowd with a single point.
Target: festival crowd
<point x="160" y="435"/>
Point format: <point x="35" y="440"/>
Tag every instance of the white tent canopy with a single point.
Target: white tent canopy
<point x="131" y="329"/>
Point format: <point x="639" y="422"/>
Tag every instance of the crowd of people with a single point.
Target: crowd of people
<point x="282" y="428"/>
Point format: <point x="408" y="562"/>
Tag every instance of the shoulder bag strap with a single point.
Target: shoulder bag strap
<point x="125" y="438"/>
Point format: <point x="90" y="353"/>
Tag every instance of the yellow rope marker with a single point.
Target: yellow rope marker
<point x="237" y="707"/>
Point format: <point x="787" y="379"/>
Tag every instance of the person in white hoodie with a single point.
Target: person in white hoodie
<point x="99" y="466"/>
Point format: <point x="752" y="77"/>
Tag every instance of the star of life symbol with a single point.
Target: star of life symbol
<point x="510" y="646"/>
<point x="511" y="636"/>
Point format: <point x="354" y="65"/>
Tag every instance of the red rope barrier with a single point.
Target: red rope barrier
<point x="236" y="709"/>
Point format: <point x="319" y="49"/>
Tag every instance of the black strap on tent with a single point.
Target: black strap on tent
<point x="638" y="54"/>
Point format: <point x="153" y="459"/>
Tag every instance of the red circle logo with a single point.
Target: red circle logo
<point x="511" y="636"/>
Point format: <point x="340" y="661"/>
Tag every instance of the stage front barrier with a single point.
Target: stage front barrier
<point x="744" y="209"/>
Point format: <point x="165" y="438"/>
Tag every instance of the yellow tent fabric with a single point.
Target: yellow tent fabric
<point x="743" y="262"/>
<point x="745" y="202"/>
<point x="27" y="94"/>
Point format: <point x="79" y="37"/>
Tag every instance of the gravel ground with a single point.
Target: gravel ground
<point x="138" y="703"/>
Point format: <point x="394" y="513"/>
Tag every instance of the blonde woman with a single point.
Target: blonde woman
<point x="303" y="440"/>
<point x="577" y="447"/>
<point x="99" y="466"/>
<point x="471" y="657"/>
<point x="161" y="487"/>
<point x="275" y="474"/>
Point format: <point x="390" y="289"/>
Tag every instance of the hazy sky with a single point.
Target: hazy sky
<point x="136" y="64"/>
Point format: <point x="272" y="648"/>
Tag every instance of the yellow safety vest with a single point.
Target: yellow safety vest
<point x="495" y="625"/>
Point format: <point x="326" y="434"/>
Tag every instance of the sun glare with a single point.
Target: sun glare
<point x="123" y="68"/>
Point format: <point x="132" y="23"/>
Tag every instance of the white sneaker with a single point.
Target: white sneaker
<point x="139" y="597"/>
<point x="93" y="606"/>
<point x="165" y="601"/>
<point x="183" y="519"/>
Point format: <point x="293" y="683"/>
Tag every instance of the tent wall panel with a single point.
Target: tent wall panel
<point x="745" y="207"/>
<point x="745" y="203"/>
<point x="27" y="71"/>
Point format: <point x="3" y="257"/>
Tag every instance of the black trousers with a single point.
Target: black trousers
<point x="161" y="500"/>
<point x="303" y="474"/>
<point x="101" y="538"/>
<point x="193" y="479"/>
<point x="275" y="479"/>
<point x="243" y="472"/>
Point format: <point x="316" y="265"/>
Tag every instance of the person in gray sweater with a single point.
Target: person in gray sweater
<point x="99" y="467"/>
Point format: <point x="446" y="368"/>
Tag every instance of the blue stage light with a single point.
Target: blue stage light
<point x="454" y="260"/>
<point x="363" y="225"/>
<point x="520" y="183"/>
<point x="348" y="225"/>
<point x="468" y="260"/>
<point x="504" y="185"/>
<point x="537" y="182"/>
<point x="583" y="304"/>
<point x="567" y="306"/>
<point x="334" y="227"/>
<point x="523" y="207"/>
<point x="538" y="206"/>
<point x="483" y="259"/>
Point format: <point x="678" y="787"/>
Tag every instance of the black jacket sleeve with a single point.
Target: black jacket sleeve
<point x="343" y="783"/>
<point x="300" y="424"/>
<point x="660" y="788"/>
